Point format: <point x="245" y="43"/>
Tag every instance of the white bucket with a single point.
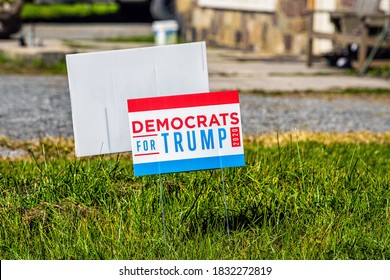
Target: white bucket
<point x="165" y="32"/>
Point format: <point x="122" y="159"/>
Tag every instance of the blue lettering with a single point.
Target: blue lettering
<point x="152" y="145"/>
<point x="178" y="140"/>
<point x="165" y="135"/>
<point x="221" y="136"/>
<point x="207" y="140"/>
<point x="145" y="145"/>
<point x="180" y="144"/>
<point x="191" y="146"/>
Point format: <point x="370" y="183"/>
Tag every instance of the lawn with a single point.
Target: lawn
<point x="320" y="197"/>
<point x="30" y="66"/>
<point x="34" y="12"/>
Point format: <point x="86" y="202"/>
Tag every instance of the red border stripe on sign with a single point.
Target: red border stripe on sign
<point x="182" y="101"/>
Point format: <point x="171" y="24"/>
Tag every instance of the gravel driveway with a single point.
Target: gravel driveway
<point x="36" y="106"/>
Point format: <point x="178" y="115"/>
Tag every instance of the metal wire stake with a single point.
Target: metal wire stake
<point x="163" y="212"/>
<point x="224" y="202"/>
<point x="108" y="137"/>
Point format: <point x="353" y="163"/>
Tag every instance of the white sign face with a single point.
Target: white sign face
<point x="186" y="132"/>
<point x="101" y="82"/>
<point x="248" y="5"/>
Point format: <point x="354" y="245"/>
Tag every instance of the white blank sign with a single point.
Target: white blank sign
<point x="101" y="82"/>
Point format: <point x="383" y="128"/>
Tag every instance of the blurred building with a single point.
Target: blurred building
<point x="269" y="26"/>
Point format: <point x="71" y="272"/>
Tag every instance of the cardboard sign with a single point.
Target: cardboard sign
<point x="185" y="132"/>
<point x="101" y="82"/>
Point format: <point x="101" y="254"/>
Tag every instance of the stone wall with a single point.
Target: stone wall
<point x="281" y="32"/>
<point x="345" y="5"/>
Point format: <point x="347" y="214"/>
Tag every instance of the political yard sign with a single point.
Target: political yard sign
<point x="185" y="132"/>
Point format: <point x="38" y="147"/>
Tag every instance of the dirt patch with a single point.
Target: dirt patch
<point x="322" y="137"/>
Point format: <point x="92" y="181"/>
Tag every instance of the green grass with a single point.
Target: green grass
<point x="78" y="10"/>
<point x="31" y="65"/>
<point x="383" y="72"/>
<point x="379" y="72"/>
<point x="133" y="39"/>
<point x="292" y="200"/>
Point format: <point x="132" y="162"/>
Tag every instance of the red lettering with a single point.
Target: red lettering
<point x="201" y="120"/>
<point x="214" y="120"/>
<point x="234" y="118"/>
<point x="187" y="122"/>
<point x="162" y="124"/>
<point x="137" y="126"/>
<point x="235" y="136"/>
<point x="149" y="125"/>
<point x="175" y="126"/>
<point x="224" y="115"/>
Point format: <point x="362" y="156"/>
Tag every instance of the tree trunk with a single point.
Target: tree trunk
<point x="10" y="21"/>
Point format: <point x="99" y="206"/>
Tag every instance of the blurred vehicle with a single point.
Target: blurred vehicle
<point x="159" y="9"/>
